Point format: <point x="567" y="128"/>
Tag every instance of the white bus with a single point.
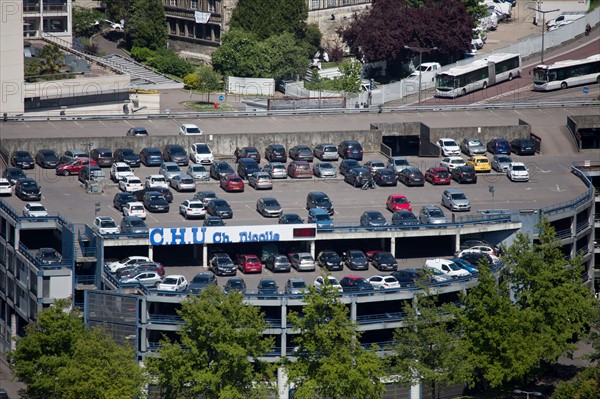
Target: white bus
<point x="477" y="75"/>
<point x="565" y="74"/>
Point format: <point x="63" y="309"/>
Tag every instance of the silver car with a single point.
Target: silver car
<point x="302" y="261"/>
<point x="472" y="146"/>
<point x="501" y="162"/>
<point x="169" y="169"/>
<point x="324" y="169"/>
<point x="198" y="172"/>
<point x="432" y="214"/>
<point x="260" y="180"/>
<point x="183" y="182"/>
<point x="326" y="152"/>
<point x="269" y="207"/>
<point x="277" y="170"/>
<point x="456" y="200"/>
<point x="397" y="164"/>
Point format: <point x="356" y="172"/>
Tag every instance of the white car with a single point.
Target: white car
<point x="449" y="147"/>
<point x="479" y="248"/>
<point x="447" y="267"/>
<point x="192" y="208"/>
<point x="452" y="162"/>
<point x="34" y="210"/>
<point x="156" y="181"/>
<point x="384" y="282"/>
<point x="517" y="171"/>
<point x="187" y="129"/>
<point x="135" y="208"/>
<point x="201" y="153"/>
<point x="106" y="225"/>
<point x="320" y="282"/>
<point x="5" y="187"/>
<point x="130" y="184"/>
<point x="174" y="282"/>
<point x="119" y="170"/>
<point x="129" y="261"/>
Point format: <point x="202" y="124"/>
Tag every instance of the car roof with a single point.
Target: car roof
<point x="188" y="125"/>
<point x="454" y="191"/>
<point x="318" y="211"/>
<point x="104" y="218"/>
<point x="353" y="277"/>
<point x="175" y="276"/>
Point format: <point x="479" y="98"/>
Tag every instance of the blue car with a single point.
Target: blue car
<point x="320" y="217"/>
<point x="463" y="264"/>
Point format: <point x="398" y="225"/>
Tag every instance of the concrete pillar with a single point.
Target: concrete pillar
<point x="151" y="251"/>
<point x="282" y="383"/>
<point x="353" y="309"/>
<point x="457" y="241"/>
<point x="393" y="246"/>
<point x="13" y="331"/>
<point x="313" y="249"/>
<point x="204" y="256"/>
<point x="415" y="391"/>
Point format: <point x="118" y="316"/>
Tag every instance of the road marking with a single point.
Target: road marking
<point x="556" y="189"/>
<point x="537" y="168"/>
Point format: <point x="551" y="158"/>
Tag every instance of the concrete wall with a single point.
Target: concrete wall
<point x="484" y="133"/>
<point x="250" y="86"/>
<point x="11" y="57"/>
<point x="585" y="121"/>
<point x="81" y="86"/>
<point x="398" y="129"/>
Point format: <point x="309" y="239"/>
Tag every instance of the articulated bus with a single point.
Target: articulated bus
<point x="565" y="74"/>
<point x="479" y="74"/>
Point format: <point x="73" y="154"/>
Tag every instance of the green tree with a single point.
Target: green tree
<point x="218" y="352"/>
<point x="425" y="347"/>
<point x="51" y="60"/>
<point x="585" y="385"/>
<point x="59" y="358"/>
<point x="118" y="10"/>
<point x="266" y="18"/>
<point x="350" y="80"/>
<point x="147" y="25"/>
<point x="205" y="80"/>
<point x="283" y="55"/>
<point x="239" y="55"/>
<point x="84" y="20"/>
<point x="330" y="362"/>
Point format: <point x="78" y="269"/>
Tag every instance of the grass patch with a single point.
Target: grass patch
<point x="208" y="107"/>
<point x="594" y="4"/>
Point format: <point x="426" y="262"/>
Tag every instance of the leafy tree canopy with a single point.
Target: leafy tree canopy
<point x="266" y="18"/>
<point x="84" y="20"/>
<point x="118" y="9"/>
<point x="147" y="25"/>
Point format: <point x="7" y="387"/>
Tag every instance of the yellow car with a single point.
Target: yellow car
<point x="479" y="163"/>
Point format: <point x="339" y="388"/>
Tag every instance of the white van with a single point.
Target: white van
<point x="563" y="19"/>
<point x="447" y="267"/>
<point x="427" y="70"/>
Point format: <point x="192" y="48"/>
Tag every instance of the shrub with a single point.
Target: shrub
<point x="171" y="64"/>
<point x="191" y="80"/>
<point x="142" y="54"/>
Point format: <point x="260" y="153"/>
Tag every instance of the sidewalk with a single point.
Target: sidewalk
<point x="7" y="381"/>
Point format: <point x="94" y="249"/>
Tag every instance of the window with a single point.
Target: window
<point x="315" y="4"/>
<point x="507" y="65"/>
<point x="212" y="6"/>
<point x="194" y="5"/>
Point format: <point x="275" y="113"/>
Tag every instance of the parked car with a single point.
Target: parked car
<point x="472" y="146"/>
<point x="333" y="282"/>
<point x="176" y="153"/>
<point x="155" y="181"/>
<point x="34" y="210"/>
<point x="135" y="208"/>
<point x="431" y="214"/>
<point x="128" y="156"/>
<point x="480" y="163"/>
<point x="374" y="165"/>
<point x="487" y="249"/>
<point x="318" y="199"/>
<point x="499" y="146"/>
<point x="105" y="225"/>
<point x="384" y="261"/>
<point x="188" y="129"/>
<point x="448" y="147"/>
<point x="447" y="267"/>
<point x="350" y="149"/>
<point x="151" y="156"/>
<point x="149" y="279"/>
<point x="372" y="219"/>
<point x="192" y="209"/>
<point x="456" y="200"/>
<point x="169" y="170"/>
<point x="232" y="183"/>
<point x="260" y="180"/>
<point x="48" y="256"/>
<point x="165" y="192"/>
<point x="133" y="225"/>
<point x="28" y="189"/>
<point x="198" y="172"/>
<point x="121" y="199"/>
<point x="355" y="284"/>
<point x="397" y="202"/>
<point x="299" y="170"/>
<point x="219" y="169"/>
<point x="201" y="281"/>
<point x="235" y="284"/>
<point x="324" y="169"/>
<point x="91" y="173"/>
<point x="173" y="282"/>
<point x="102" y="156"/>
<point x="219" y="207"/>
<point x="523" y="146"/>
<point x="22" y="159"/>
<point x="359" y="177"/>
<point x="463" y="264"/>
<point x="130" y="184"/>
<point x="475" y="258"/>
<point x="452" y="162"/>
<point x="70" y="155"/>
<point x="464" y="174"/>
<point x="268" y="207"/>
<point x="129" y="271"/>
<point x="385" y="177"/>
<point x="137" y="131"/>
<point x="278" y="263"/>
<point x="301" y="153"/>
<point x="500" y="163"/>
<point x="119" y="170"/>
<point x="13" y="174"/>
<point x="247" y="152"/>
<point x="267" y="286"/>
<point x="5" y="187"/>
<point x="275" y="153"/>
<point x="517" y="171"/>
<point x="205" y="196"/>
<point x="47" y="159"/>
<point x="246" y="167"/>
<point x="222" y="265"/>
<point x="183" y="182"/>
<point x="74" y="167"/>
<point x="411" y="176"/>
<point x="320" y="217"/>
<point x="405" y="218"/>
<point x="326" y="152"/>
<point x="355" y="259"/>
<point x="154" y="201"/>
<point x="201" y="153"/>
<point x="127" y="262"/>
<point x="276" y="170"/>
<point x="397" y="163"/>
<point x="290" y="218"/>
<point x="330" y="260"/>
<point x="383" y="282"/>
<point x="213" y="221"/>
<point x="295" y="286"/>
<point x="437" y="175"/>
<point x="347" y="165"/>
<point x="248" y="263"/>
<point x="302" y="261"/>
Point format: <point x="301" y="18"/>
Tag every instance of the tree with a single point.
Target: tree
<point x="60" y="358"/>
<point x="585" y="385"/>
<point x="218" y="352"/>
<point x="266" y="18"/>
<point x="51" y="60"/>
<point x="285" y="57"/>
<point x="205" y="80"/>
<point x="84" y="21"/>
<point x="118" y="10"/>
<point x="330" y="362"/>
<point x="425" y="347"/>
<point x="147" y="25"/>
<point x="350" y="80"/>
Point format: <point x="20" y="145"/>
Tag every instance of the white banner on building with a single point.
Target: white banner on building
<point x="201" y="17"/>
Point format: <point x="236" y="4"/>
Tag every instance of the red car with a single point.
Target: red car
<point x="75" y="166"/>
<point x="300" y="169"/>
<point x="370" y="254"/>
<point x="249" y="263"/>
<point x="232" y="183"/>
<point x="437" y="175"/>
<point x="396" y="202"/>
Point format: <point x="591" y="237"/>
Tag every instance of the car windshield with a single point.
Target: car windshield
<point x="156" y="197"/>
<point x="330" y="256"/>
<point x="326" y="165"/>
<point x="459" y="196"/>
<point x="475" y="143"/>
<point x="251" y="151"/>
<point x="377" y="165"/>
<point x="28" y="184"/>
<point x="48" y="154"/>
<point x="322" y="200"/>
<point x="387" y="172"/>
<point x="193" y="129"/>
<point x="442" y="173"/>
<point x="108" y="223"/>
<point x="176" y="150"/>
<point x="298" y="284"/>
<point x="136" y="222"/>
<point x="202" y="149"/>
<point x="219" y="202"/>
<point x="151" y="151"/>
<point x="357" y="255"/>
<point x="37" y="208"/>
<point x="519" y="167"/>
<point x="400" y="200"/>
<point x="293" y="218"/>
<point x="268" y="284"/>
<point x="235" y="283"/>
<point x="386" y="256"/>
<point x="128" y="152"/>
<point x="223" y="260"/>
<point x="504" y="159"/>
<point x="170" y="281"/>
<point x="158" y="179"/>
<point x="375" y="216"/>
<point x="449" y="143"/>
<point x="197" y="168"/>
<point x="123" y="169"/>
<point x="453" y="266"/>
<point x="436" y="213"/>
<point x="214" y="222"/>
<point x="200" y="279"/>
<point x="21" y="154"/>
<point x="137" y="208"/>
<point x="400" y="162"/>
<point x="322" y="217"/>
<point x="405" y="215"/>
<point x="270" y="202"/>
<point x="172" y="168"/>
<point x="304" y="149"/>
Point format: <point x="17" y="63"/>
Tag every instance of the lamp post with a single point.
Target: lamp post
<point x="534" y="394"/>
<point x="421" y="50"/>
<point x="538" y="9"/>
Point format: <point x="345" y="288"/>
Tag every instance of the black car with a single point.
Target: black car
<point x="220" y="169"/>
<point x="47" y="159"/>
<point x="133" y="225"/>
<point x="219" y="207"/>
<point x="246" y="167"/>
<point x="275" y="153"/>
<point x="246" y="152"/>
<point x="121" y="199"/>
<point x="355" y="284"/>
<point x="355" y="259"/>
<point x="523" y="146"/>
<point x="22" y="159"/>
<point x="213" y="221"/>
<point x="27" y="189"/>
<point x="137" y="131"/>
<point x="235" y="284"/>
<point x="205" y="196"/>
<point x="411" y="176"/>
<point x="48" y="256"/>
<point x="408" y="277"/>
<point x="128" y="156"/>
<point x="405" y="218"/>
<point x="475" y="257"/>
<point x="267" y="286"/>
<point x="464" y="174"/>
<point x="166" y="193"/>
<point x="290" y="218"/>
<point x="278" y="263"/>
<point x="176" y="153"/>
<point x="151" y="156"/>
<point x="88" y="173"/>
<point x="384" y="261"/>
<point x="318" y="199"/>
<point x="301" y="153"/>
<point x="372" y="219"/>
<point x="102" y="156"/>
<point x="154" y="201"/>
<point x="347" y="165"/>
<point x="350" y="149"/>
<point x="358" y="177"/>
<point x="385" y="177"/>
<point x="201" y="281"/>
<point x="330" y="260"/>
<point x="222" y="265"/>
<point x="13" y="174"/>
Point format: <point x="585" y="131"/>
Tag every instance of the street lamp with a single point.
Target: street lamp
<point x="421" y="50"/>
<point x="534" y="394"/>
<point x="538" y="9"/>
